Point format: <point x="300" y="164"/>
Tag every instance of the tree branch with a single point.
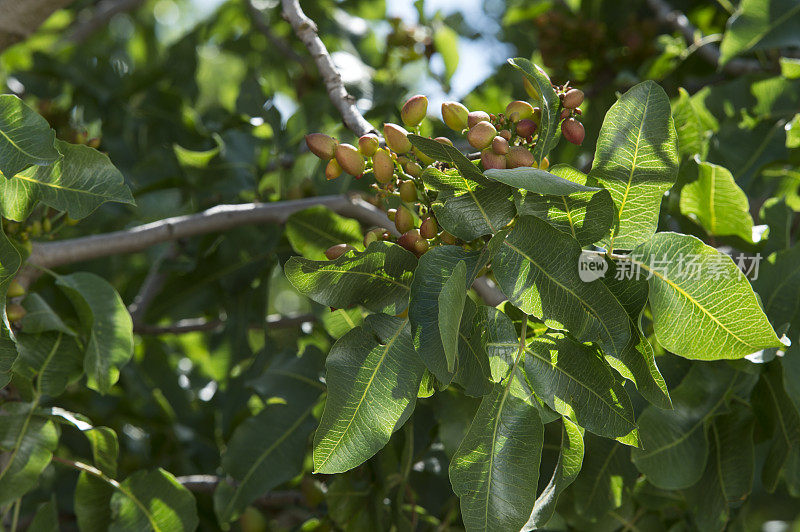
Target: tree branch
<point x="306" y="31"/>
<point x="694" y="37"/>
<point x="21" y="18"/>
<point x="216" y="219"/>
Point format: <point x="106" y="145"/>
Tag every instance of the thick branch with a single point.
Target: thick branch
<point x="306" y="31"/>
<point x="20" y="18"/>
<point x="216" y="219"/>
<point x="693" y="36"/>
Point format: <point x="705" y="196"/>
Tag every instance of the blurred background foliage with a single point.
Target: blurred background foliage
<point x="202" y="102"/>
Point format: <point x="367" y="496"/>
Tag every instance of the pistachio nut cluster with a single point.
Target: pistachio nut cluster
<point x="493" y="141"/>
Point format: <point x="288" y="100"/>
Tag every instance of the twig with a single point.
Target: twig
<point x="208" y="483"/>
<point x="152" y="285"/>
<point x="216" y="219"/>
<point x="704" y="47"/>
<point x="306" y="31"/>
<point x="275" y="321"/>
<point x="261" y="25"/>
<point x="84" y="28"/>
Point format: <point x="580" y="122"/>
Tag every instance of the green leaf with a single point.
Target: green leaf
<point x="605" y="474"/>
<point x="373" y="377"/>
<point x="264" y="452"/>
<point x="293" y="378"/>
<point x="728" y="478"/>
<point x="430" y="302"/>
<point x="77" y="184"/>
<point x="721" y="308"/>
<point x="468" y="205"/>
<point x="29" y="442"/>
<point x="8" y="355"/>
<point x="153" y="500"/>
<point x="779" y="217"/>
<point x="473" y="371"/>
<point x="781" y="418"/>
<point x="548" y="133"/>
<point x="586" y="216"/>
<point x="674" y="445"/>
<point x="778" y="285"/>
<point x="496" y="468"/>
<point x="378" y="278"/>
<point x="569" y="463"/>
<point x="538" y="181"/>
<point x="451" y="305"/>
<point x="637" y="161"/>
<point x="747" y="150"/>
<point x="93" y="495"/>
<point x="575" y="382"/>
<point x="760" y="25"/>
<point x="694" y="124"/>
<point x="637" y="362"/>
<point x="53" y="359"/>
<point x="46" y="518"/>
<point x="446" y="41"/>
<point x="790" y="67"/>
<point x="41" y="317"/>
<point x="10" y="263"/>
<point x="717" y="203"/>
<point x="25" y="138"/>
<point x="536" y="267"/>
<point x="107" y="323"/>
<point x="340" y="321"/>
<point x="313" y="230"/>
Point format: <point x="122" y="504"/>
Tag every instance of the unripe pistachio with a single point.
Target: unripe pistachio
<point x="15" y="289"/>
<point x="573" y="131"/>
<point x="321" y="145"/>
<point x="396" y="138"/>
<point x="447" y="238"/>
<point x="350" y="159"/>
<point x="565" y="113"/>
<point x="519" y="110"/>
<point x="526" y="128"/>
<point x="422" y="157"/>
<point x="420" y="247"/>
<point x="404" y="220"/>
<point x="408" y="191"/>
<point x="15" y="312"/>
<point x="444" y="140"/>
<point x="372" y="236"/>
<point x="414" y="110"/>
<point x="573" y="98"/>
<point x="481" y="134"/>
<point x="477" y="116"/>
<point x="47" y="225"/>
<point x="519" y="156"/>
<point x="530" y="88"/>
<point x="408" y="239"/>
<point x="333" y="169"/>
<point x="454" y="115"/>
<point x="428" y="228"/>
<point x="544" y="164"/>
<point x="506" y="134"/>
<point x="490" y="160"/>
<point x="391" y="213"/>
<point x="413" y="169"/>
<point x="499" y="145"/>
<point x="334" y="252"/>
<point x="382" y="166"/>
<point x="368" y="144"/>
